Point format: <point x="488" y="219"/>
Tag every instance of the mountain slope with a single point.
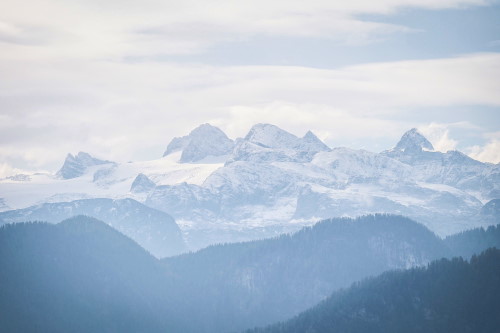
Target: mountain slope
<point x="491" y="211"/>
<point x="259" y="282"/>
<point x="77" y="276"/>
<point x="447" y="296"/>
<point x="470" y="242"/>
<point x="154" y="230"/>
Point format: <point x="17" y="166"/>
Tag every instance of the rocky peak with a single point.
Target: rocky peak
<point x="271" y="136"/>
<point x="142" y="184"/>
<point x="266" y="143"/>
<point x="205" y="140"/>
<point x="314" y="143"/>
<point x="75" y="166"/>
<point x="413" y="141"/>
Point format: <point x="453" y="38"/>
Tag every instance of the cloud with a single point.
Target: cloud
<point x="7" y="170"/>
<point x="335" y="126"/>
<point x="110" y="29"/>
<point x="68" y="83"/>
<point x="490" y="152"/>
<point x="438" y="135"/>
<point x="125" y="111"/>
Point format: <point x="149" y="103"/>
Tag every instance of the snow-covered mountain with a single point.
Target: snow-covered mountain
<point x="452" y="168"/>
<point x="269" y="143"/>
<point x="204" y="141"/>
<point x="154" y="230"/>
<point x="75" y="166"/>
<point x="272" y="181"/>
<point x="413" y="142"/>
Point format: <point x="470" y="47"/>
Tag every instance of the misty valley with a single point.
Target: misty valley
<point x="270" y="232"/>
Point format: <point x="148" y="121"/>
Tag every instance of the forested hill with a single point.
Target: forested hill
<point x="237" y="285"/>
<point x="447" y="296"/>
<point x="470" y="242"/>
<point x="81" y="275"/>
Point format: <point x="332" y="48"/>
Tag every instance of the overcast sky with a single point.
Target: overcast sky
<point x="119" y="79"/>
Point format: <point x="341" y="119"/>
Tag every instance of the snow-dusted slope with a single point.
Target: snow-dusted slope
<point x="272" y="181"/>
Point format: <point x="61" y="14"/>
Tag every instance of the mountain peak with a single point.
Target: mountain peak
<point x="314" y="142"/>
<point x="310" y="134"/>
<point x="271" y="136"/>
<point x="269" y="143"/>
<point x="203" y="141"/>
<point x="75" y="166"/>
<point x="142" y="184"/>
<point x="413" y="141"/>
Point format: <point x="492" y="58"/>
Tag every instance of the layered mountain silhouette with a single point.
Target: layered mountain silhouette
<point x="446" y="296"/>
<point x="81" y="275"/>
<point x="154" y="230"/>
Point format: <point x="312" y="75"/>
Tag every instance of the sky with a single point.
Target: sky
<point x="120" y="79"/>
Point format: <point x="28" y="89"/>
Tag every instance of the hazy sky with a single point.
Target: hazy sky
<point x="119" y="79"/>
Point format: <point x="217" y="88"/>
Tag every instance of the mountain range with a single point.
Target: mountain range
<point x="81" y="275"/>
<point x="271" y="182"/>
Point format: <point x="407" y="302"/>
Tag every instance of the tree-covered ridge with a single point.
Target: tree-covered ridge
<point x="277" y="278"/>
<point x="81" y="275"/>
<point x="470" y="242"/>
<point x="154" y="230"/>
<point x="77" y="276"/>
<point x="446" y="296"/>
